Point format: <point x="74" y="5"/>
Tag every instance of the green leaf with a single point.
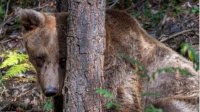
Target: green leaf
<point x="13" y="58"/>
<point x="196" y="65"/>
<point x="109" y="105"/>
<point x="195" y="10"/>
<point x="112" y="105"/>
<point x="166" y="70"/>
<point x="48" y="105"/>
<point x="171" y="70"/>
<point x="191" y="55"/>
<point x="2" y="11"/>
<point x="15" y="63"/>
<point x="184" y="48"/>
<point x="140" y="69"/>
<point x="15" y="70"/>
<point x="185" y="72"/>
<point x="151" y="108"/>
<point x="104" y="93"/>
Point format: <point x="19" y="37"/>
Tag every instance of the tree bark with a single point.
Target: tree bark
<point x="85" y="59"/>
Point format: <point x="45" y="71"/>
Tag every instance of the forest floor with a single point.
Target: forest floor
<point x="174" y="25"/>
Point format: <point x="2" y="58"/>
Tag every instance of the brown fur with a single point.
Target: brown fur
<point x="123" y="35"/>
<point x="45" y="44"/>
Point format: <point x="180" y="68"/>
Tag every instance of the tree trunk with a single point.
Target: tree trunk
<point x="85" y="59"/>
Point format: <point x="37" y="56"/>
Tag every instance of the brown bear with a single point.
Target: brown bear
<point x="124" y="38"/>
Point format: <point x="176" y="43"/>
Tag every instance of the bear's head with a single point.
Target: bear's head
<point x="44" y="36"/>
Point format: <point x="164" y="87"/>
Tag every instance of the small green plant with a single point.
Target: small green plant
<point x="14" y="63"/>
<point x="104" y="93"/>
<point x="195" y="10"/>
<point x="171" y="70"/>
<point x="151" y="108"/>
<point x="177" y="10"/>
<point x="112" y="103"/>
<point x="188" y="51"/>
<point x="138" y="67"/>
<point x="152" y="17"/>
<point x="150" y="94"/>
<point x="47" y="106"/>
<point x="2" y="13"/>
<point x="142" y="71"/>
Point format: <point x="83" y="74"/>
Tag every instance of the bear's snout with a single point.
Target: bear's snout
<point x="50" y="91"/>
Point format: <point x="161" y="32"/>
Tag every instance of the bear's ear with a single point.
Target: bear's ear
<point x="31" y="19"/>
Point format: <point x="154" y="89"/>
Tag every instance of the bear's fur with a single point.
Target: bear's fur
<point x="124" y="37"/>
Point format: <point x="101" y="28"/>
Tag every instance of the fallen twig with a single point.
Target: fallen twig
<point x="132" y="6"/>
<point x="7" y="7"/>
<point x="24" y="93"/>
<point x="176" y="34"/>
<point x="5" y="22"/>
<point x="115" y="2"/>
<point x="40" y="7"/>
<point x="5" y="41"/>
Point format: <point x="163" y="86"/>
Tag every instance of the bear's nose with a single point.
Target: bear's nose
<point x="50" y="91"/>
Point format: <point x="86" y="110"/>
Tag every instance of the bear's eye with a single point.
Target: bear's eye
<point x="62" y="62"/>
<point x="40" y="60"/>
